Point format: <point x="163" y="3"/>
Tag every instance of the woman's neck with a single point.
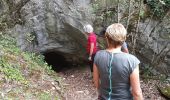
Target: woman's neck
<point x="114" y="50"/>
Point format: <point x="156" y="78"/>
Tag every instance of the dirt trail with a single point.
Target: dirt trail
<point x="78" y="85"/>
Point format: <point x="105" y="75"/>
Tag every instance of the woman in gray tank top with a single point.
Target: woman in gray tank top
<point x="115" y="73"/>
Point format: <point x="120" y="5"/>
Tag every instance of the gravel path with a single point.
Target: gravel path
<point x="78" y="86"/>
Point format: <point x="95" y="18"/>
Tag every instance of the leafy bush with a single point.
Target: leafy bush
<point x="25" y="71"/>
<point x="159" y="7"/>
<point x="13" y="61"/>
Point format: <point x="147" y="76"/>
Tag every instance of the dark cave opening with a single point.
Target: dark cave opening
<point x="56" y="60"/>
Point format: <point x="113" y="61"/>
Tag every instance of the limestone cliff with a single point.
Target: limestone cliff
<point x="48" y="25"/>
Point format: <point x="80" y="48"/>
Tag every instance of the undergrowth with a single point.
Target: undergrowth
<point x="24" y="70"/>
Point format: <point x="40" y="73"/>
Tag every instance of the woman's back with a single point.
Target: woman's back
<point x="122" y="66"/>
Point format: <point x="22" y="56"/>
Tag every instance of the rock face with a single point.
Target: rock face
<point x="48" y="25"/>
<point x="153" y="44"/>
<point x="152" y="41"/>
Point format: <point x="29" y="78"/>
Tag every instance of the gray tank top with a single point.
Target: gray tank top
<point x="122" y="65"/>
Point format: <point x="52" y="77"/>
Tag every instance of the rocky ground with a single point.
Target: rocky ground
<point x="78" y="86"/>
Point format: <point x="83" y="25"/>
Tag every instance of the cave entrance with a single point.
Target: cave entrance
<point x="56" y="60"/>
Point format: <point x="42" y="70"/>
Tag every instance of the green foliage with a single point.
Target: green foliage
<point x="13" y="60"/>
<point x="159" y="7"/>
<point x="95" y="7"/>
<point x="109" y="13"/>
<point x="44" y="96"/>
<point x="7" y="66"/>
<point x="3" y="26"/>
<point x="13" y="73"/>
<point x="165" y="91"/>
<point x="23" y="70"/>
<point x="30" y="37"/>
<point x="36" y="61"/>
<point x="142" y="13"/>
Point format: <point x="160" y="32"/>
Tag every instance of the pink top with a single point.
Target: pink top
<point x="92" y="39"/>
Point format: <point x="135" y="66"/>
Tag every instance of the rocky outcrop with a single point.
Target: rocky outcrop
<point x="154" y="43"/>
<point x="151" y="42"/>
<point x="48" y="25"/>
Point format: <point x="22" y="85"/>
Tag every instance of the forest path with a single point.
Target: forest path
<point x="78" y="85"/>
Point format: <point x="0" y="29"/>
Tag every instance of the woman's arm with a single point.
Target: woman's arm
<point x="95" y="76"/>
<point x="125" y="48"/>
<point x="135" y="84"/>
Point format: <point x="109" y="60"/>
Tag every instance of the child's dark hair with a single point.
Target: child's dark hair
<point x="102" y="32"/>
